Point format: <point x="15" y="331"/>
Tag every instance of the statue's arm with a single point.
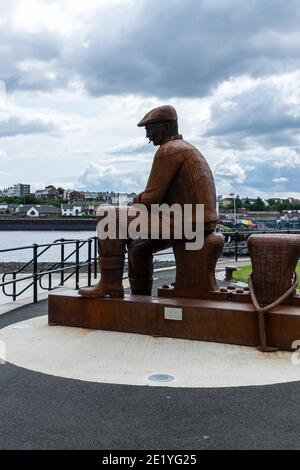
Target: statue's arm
<point x="163" y="170"/>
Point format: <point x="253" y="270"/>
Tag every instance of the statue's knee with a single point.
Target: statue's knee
<point x="139" y="248"/>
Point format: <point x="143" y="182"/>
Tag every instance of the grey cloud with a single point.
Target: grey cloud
<point x="262" y="172"/>
<point x="259" y="116"/>
<point x="41" y="46"/>
<point x="14" y="126"/>
<point x="132" y="148"/>
<point x="186" y="49"/>
<point x="258" y="111"/>
<point x="154" y="48"/>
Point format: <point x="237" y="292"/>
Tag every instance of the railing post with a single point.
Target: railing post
<point x="62" y="264"/>
<point x="35" y="273"/>
<point x="14" y="286"/>
<point x="95" y="256"/>
<point x="77" y="265"/>
<point x="89" y="261"/>
<point x="50" y="282"/>
<point x="236" y="246"/>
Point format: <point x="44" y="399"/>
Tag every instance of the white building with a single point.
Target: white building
<point x="71" y="210"/>
<point x="17" y="190"/>
<point x="122" y="199"/>
<point x="43" y="210"/>
<point x="91" y="195"/>
<point x="32" y="212"/>
<point x="41" y="193"/>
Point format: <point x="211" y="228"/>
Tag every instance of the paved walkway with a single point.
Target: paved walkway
<point x="206" y="406"/>
<point x="42" y="411"/>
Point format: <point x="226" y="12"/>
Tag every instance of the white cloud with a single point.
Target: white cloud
<point x="105" y="178"/>
<point x="229" y="168"/>
<point x="280" y="179"/>
<point x="18" y="120"/>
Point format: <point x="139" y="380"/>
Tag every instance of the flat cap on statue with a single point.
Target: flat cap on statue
<point x="160" y="114"/>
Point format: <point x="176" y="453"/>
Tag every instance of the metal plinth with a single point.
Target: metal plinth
<point x="206" y="320"/>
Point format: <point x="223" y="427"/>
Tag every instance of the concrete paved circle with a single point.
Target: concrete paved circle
<point x="121" y="358"/>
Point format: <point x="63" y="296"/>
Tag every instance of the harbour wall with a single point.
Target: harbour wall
<point x="47" y="224"/>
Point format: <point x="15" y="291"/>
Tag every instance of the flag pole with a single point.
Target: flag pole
<point x="234" y="210"/>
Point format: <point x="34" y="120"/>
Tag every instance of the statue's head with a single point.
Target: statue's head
<point x="160" y="123"/>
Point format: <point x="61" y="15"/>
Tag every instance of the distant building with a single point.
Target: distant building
<point x="73" y="210"/>
<point x="32" y="210"/>
<point x="17" y="190"/>
<point x="227" y="201"/>
<point x="122" y="199"/>
<point x="276" y="200"/>
<point x="218" y="202"/>
<point x="7" y="209"/>
<point x="41" y="193"/>
<point x="49" y="192"/>
<point x="21" y="190"/>
<point x="91" y="195"/>
<point x="79" y="209"/>
<point x="73" y="195"/>
<point x="250" y="201"/>
<point x="106" y="196"/>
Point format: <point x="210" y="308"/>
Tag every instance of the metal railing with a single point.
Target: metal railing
<point x="235" y="245"/>
<point x="66" y="268"/>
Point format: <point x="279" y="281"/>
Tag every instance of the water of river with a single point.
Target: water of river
<point x="13" y="239"/>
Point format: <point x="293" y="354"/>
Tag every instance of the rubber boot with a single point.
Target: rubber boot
<point x="141" y="286"/>
<point x="110" y="284"/>
<point x="111" y="263"/>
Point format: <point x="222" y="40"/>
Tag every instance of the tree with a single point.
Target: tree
<point x="238" y="202"/>
<point x="247" y="204"/>
<point x="30" y="199"/>
<point x="258" y="205"/>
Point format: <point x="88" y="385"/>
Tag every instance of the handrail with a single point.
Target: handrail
<point x="56" y="267"/>
<point x="56" y="242"/>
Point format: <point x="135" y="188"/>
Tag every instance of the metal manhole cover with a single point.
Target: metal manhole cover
<point x="161" y="378"/>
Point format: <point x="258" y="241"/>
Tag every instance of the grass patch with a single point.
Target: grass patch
<point x="242" y="273"/>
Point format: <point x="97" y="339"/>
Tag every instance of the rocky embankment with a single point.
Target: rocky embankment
<point x="9" y="267"/>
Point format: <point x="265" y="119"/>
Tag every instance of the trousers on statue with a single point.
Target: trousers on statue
<point x="111" y="261"/>
<point x="140" y="263"/>
<point x="140" y="257"/>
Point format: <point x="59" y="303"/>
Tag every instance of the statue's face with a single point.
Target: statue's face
<point x="157" y="132"/>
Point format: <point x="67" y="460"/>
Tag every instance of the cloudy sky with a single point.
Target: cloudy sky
<point x="76" y="77"/>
